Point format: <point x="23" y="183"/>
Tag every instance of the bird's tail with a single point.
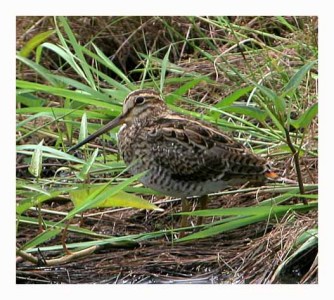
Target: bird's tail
<point x="271" y="175"/>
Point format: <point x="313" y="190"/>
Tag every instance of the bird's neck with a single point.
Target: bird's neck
<point x="149" y="117"/>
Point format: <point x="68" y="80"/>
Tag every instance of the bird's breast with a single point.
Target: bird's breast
<point x="133" y="147"/>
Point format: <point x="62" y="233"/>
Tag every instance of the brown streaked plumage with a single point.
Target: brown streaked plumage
<point x="183" y="156"/>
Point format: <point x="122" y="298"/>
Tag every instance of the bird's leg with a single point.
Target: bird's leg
<point x="184" y="208"/>
<point x="203" y="201"/>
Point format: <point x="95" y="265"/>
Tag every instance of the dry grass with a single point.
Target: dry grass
<point x="247" y="255"/>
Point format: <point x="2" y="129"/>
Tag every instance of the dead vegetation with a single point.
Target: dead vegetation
<point x="251" y="254"/>
<point x="247" y="255"/>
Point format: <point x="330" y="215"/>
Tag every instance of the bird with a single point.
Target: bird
<point x="183" y="156"/>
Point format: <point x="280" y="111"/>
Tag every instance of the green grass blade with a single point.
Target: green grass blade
<point x="83" y="133"/>
<point x="184" y="89"/>
<point x="306" y="118"/>
<point x="296" y="79"/>
<point x="83" y="174"/>
<point x="75" y="229"/>
<point x="67" y="56"/>
<point x="35" y="167"/>
<point x="277" y="100"/>
<point x="286" y="23"/>
<point x="28" y="99"/>
<point x="248" y="215"/>
<point x="43" y="237"/>
<point x="112" y="66"/>
<point x="211" y="231"/>
<point x="99" y="100"/>
<point x="43" y="72"/>
<point x="59" y="113"/>
<point x="247" y="211"/>
<point x="247" y="110"/>
<point x="37" y="198"/>
<point x="164" y="65"/>
<point x="236" y="95"/>
<point x="34" y="42"/>
<point x="54" y="153"/>
<point x="77" y="49"/>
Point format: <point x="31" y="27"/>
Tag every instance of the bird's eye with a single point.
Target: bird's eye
<point x="140" y="100"/>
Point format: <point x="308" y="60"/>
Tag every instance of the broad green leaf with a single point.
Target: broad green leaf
<point x="296" y="79"/>
<point x="306" y="118"/>
<point x="120" y="199"/>
<point x="34" y="42"/>
<point x="93" y="200"/>
<point x="101" y="193"/>
<point x="35" y="167"/>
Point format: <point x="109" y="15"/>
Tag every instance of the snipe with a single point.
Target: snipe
<point x="183" y="156"/>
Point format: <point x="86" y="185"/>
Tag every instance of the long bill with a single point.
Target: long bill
<point x="112" y="124"/>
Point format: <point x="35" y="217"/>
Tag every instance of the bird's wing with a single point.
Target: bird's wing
<point x="194" y="150"/>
